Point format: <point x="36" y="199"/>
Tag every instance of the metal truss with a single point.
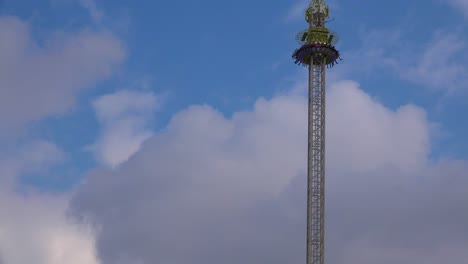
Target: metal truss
<point x="316" y="165"/>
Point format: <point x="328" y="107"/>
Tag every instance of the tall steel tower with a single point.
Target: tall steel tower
<point x="317" y="53"/>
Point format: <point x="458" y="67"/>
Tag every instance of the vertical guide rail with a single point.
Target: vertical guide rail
<point x="316" y="165"/>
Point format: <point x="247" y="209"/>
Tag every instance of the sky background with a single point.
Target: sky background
<point x="175" y="132"/>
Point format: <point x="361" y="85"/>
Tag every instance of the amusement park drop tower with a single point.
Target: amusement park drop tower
<point x="317" y="53"/>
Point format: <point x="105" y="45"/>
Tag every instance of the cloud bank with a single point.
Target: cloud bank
<point x="39" y="80"/>
<point x="210" y="188"/>
<point x="33" y="226"/>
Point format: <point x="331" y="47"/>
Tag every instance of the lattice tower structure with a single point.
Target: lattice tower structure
<point x="317" y="53"/>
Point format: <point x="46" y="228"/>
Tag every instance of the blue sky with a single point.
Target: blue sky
<point x="96" y="89"/>
<point x="229" y="54"/>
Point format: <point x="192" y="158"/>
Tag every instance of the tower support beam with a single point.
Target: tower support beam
<point x="316" y="164"/>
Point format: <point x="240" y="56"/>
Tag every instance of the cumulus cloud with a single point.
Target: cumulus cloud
<point x="38" y="81"/>
<point x="41" y="80"/>
<point x="34" y="227"/>
<point x="369" y="129"/>
<point x="209" y="188"/>
<point x="124" y="116"/>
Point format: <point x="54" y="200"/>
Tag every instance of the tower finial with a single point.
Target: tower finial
<point x="317" y="12"/>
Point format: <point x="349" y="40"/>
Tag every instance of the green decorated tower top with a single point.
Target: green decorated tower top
<point x="317" y="41"/>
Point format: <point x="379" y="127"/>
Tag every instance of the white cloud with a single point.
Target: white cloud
<point x="37" y="81"/>
<point x="125" y="117"/>
<point x="210" y="188"/>
<point x="369" y="129"/>
<point x="34" y="227"/>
